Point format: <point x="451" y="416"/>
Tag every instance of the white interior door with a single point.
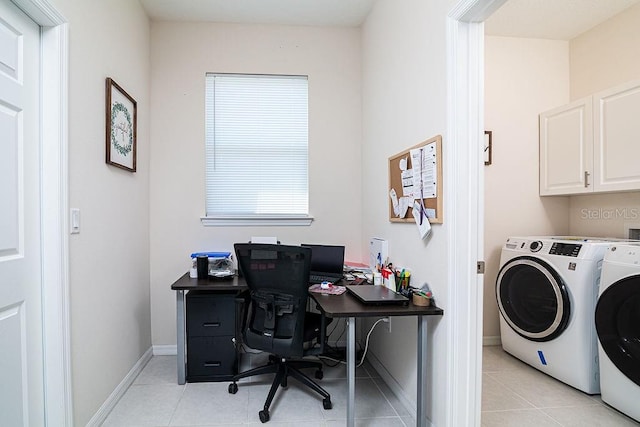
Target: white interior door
<point x="21" y="348"/>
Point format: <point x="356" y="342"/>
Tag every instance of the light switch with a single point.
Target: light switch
<point x="75" y="221"/>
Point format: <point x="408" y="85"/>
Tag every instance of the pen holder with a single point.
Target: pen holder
<point x="420" y="300"/>
<point x="402" y="282"/>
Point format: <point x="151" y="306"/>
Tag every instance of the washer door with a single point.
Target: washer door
<point x="533" y="298"/>
<point x="618" y="325"/>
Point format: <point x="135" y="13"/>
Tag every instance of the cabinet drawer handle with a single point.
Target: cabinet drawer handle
<point x="211" y="325"/>
<point x="212" y="364"/>
<point x="586" y="179"/>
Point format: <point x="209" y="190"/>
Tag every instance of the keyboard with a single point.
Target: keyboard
<point x="317" y="278"/>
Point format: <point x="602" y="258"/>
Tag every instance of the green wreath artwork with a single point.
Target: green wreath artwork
<point x="121" y="127"/>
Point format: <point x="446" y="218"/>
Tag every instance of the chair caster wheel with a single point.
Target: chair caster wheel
<point x="233" y="388"/>
<point x="264" y="416"/>
<point x="319" y="374"/>
<point x="326" y="403"/>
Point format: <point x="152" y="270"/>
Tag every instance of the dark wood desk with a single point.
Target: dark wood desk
<point x="348" y="307"/>
<point x="185" y="283"/>
<point x="335" y="306"/>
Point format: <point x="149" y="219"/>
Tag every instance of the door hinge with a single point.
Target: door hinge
<point x="480" y="267"/>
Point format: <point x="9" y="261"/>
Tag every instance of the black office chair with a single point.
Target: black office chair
<point x="277" y="320"/>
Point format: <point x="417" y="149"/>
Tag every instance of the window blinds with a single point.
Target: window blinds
<point x="256" y="146"/>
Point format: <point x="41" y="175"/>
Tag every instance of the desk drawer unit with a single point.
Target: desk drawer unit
<point x="211" y="358"/>
<point x="211" y="329"/>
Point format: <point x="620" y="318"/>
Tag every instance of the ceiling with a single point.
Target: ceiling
<point x="348" y="13"/>
<point x="550" y="19"/>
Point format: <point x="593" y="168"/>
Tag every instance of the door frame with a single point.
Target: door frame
<point x="54" y="55"/>
<point x="465" y="127"/>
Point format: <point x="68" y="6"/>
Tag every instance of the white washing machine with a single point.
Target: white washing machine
<point x="617" y="320"/>
<point x="547" y="289"/>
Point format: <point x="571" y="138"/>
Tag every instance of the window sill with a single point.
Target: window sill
<point x="221" y="221"/>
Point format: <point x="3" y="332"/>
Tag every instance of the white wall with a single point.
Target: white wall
<point x="109" y="259"/>
<point x="181" y="54"/>
<point x="601" y="58"/>
<point x="522" y="78"/>
<point x="606" y="55"/>
<point x="405" y="103"/>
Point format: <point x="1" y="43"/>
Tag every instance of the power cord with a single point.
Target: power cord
<point x="366" y="347"/>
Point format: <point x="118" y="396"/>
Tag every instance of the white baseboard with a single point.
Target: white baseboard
<point x="165" y="350"/>
<point x="491" y="341"/>
<point x="119" y="391"/>
<point x="401" y="395"/>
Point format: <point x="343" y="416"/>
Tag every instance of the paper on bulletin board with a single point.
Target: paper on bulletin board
<point x="408" y="188"/>
<point x="401" y="205"/>
<point x="424" y="226"/>
<point x="425" y="177"/>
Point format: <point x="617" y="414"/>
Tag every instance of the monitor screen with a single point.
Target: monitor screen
<point x="326" y="258"/>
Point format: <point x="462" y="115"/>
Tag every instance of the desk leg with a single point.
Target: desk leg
<point x="351" y="371"/>
<point x="180" y="332"/>
<point x="421" y="419"/>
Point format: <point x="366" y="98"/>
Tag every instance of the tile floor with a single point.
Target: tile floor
<point x="155" y="399"/>
<point x="514" y="394"/>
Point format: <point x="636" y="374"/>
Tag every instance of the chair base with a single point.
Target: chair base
<point x="283" y="368"/>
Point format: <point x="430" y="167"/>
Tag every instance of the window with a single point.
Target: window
<point x="256" y="149"/>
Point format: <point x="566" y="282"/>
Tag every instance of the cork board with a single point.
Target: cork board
<point x="416" y="173"/>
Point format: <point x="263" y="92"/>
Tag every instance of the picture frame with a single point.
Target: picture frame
<point x="121" y="127"/>
<point x="487" y="147"/>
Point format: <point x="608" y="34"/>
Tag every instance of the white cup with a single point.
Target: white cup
<point x="377" y="279"/>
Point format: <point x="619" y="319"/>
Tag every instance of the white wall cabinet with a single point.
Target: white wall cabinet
<point x="566" y="148"/>
<point x="593" y="144"/>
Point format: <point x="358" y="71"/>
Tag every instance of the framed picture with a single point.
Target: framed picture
<point x="487" y="147"/>
<point x="121" y="127"/>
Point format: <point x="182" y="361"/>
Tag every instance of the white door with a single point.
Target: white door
<point x="21" y="344"/>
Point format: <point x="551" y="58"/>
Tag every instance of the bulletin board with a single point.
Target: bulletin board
<point x="424" y="161"/>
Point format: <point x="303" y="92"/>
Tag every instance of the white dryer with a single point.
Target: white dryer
<point x="547" y="289"/>
<point x="617" y="320"/>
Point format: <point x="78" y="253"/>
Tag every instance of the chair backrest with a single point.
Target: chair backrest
<point x="278" y="280"/>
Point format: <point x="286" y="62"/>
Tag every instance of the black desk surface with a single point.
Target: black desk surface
<point x="186" y="283"/>
<point x="333" y="305"/>
<point x="346" y="305"/>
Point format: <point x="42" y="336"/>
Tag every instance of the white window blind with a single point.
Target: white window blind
<point x="256" y="146"/>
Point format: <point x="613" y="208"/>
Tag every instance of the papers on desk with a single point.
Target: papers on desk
<point x="327" y="290"/>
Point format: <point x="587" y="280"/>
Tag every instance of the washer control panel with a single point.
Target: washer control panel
<point x="546" y="246"/>
<point x="535" y="246"/>
<point x="565" y="249"/>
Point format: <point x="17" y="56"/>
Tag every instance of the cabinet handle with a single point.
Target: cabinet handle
<point x="586" y="179"/>
<point x="211" y="325"/>
<point x="212" y="364"/>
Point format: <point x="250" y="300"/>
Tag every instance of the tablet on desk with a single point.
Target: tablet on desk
<point x="376" y="295"/>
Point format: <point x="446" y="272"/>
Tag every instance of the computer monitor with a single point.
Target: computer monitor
<point x="326" y="259"/>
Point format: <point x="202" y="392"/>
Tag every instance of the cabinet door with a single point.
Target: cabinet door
<point x="617" y="138"/>
<point x="566" y="149"/>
